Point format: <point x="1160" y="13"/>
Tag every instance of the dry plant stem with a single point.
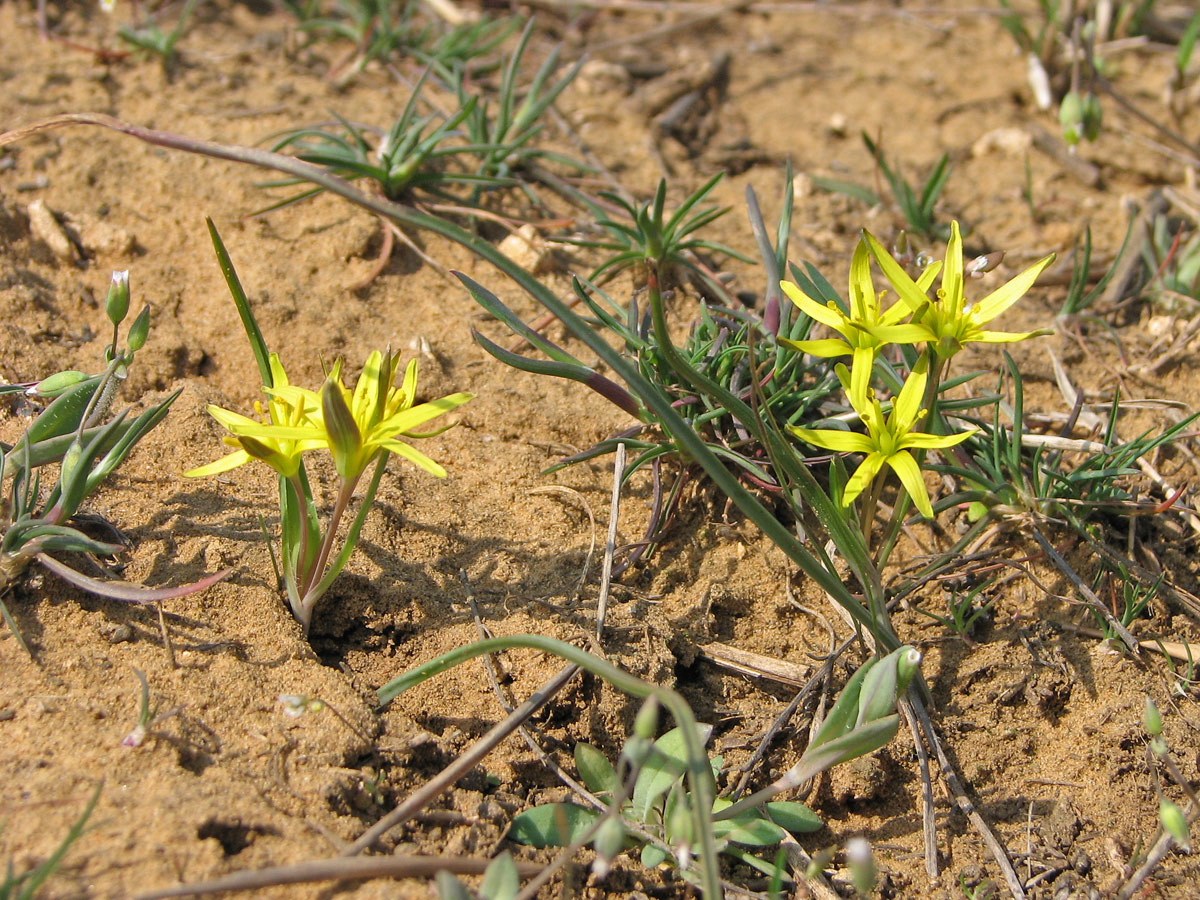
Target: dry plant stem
<point x="1089" y="596"/>
<point x="611" y="542"/>
<point x="950" y="776"/>
<point x="928" y="823"/>
<point x="1166" y="132"/>
<point x="336" y="870"/>
<point x="445" y="779"/>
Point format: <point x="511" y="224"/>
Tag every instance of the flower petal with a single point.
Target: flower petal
<point x="414" y="455"/>
<point x="862" y="477"/>
<point x="921" y="441"/>
<point x="952" y="276"/>
<point x="408" y="419"/>
<point x="826" y="348"/>
<point x="907" y="404"/>
<point x="834" y="439"/>
<point x="814" y="310"/>
<point x="1008" y="293"/>
<point x="863" y="305"/>
<point x="905" y="287"/>
<point x="910" y="476"/>
<point x="224" y="464"/>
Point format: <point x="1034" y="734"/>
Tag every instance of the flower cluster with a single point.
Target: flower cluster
<point x="943" y="324"/>
<point x="358" y="428"/>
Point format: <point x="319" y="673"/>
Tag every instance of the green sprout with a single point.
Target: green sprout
<point x="409" y="156"/>
<point x="152" y="39"/>
<point x="917" y="208"/>
<point x="25" y="885"/>
<point x="76" y="433"/>
<point x="647" y="238"/>
<point x="360" y="429"/>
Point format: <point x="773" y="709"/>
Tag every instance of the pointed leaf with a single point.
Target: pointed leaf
<point x="552" y="825"/>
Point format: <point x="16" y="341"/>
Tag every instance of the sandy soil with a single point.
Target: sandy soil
<point x="1044" y="723"/>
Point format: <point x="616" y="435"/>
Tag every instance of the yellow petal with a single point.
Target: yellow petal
<point x="862" y="477"/>
<point x="1008" y="293"/>
<point x="834" y="439"/>
<point x="814" y="310"/>
<point x="910" y="476"/>
<point x="224" y="464"/>
<point x="414" y="455"/>
<point x="826" y="348"/>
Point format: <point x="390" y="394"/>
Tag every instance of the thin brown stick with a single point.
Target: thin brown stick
<point x="950" y="776"/>
<point x="445" y="779"/>
<point x="335" y="870"/>
<point x="928" y="823"/>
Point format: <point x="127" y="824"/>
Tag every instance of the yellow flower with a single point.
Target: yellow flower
<point x="887" y="441"/>
<point x="279" y="442"/>
<point x="950" y="322"/>
<point x="858" y="330"/>
<point x="358" y="426"/>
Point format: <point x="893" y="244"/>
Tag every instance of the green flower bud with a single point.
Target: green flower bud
<point x="56" y="384"/>
<point x="609" y="841"/>
<point x="861" y="863"/>
<point x="1175" y="823"/>
<point x="345" y="441"/>
<point x="646" y="723"/>
<point x="1070" y="118"/>
<point x="139" y="330"/>
<point x="1152" y="718"/>
<point x="117" y="302"/>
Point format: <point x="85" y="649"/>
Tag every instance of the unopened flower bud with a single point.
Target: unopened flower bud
<point x="1152" y="719"/>
<point x="861" y="863"/>
<point x="1175" y="823"/>
<point x="341" y="429"/>
<point x="645" y="725"/>
<point x="1070" y="118"/>
<point x="609" y="841"/>
<point x="1093" y="115"/>
<point x="116" y="305"/>
<point x="139" y="330"/>
<point x="56" y="384"/>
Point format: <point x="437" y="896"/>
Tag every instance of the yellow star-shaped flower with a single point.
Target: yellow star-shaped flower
<point x="888" y="440"/>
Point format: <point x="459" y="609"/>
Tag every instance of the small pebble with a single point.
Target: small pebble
<point x="120" y="635"/>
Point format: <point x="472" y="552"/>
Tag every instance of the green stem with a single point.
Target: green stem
<point x="345" y="495"/>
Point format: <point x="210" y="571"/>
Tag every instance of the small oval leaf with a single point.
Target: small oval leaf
<point x="595" y="770"/>
<point x="552" y="825"/>
<point x="795" y="817"/>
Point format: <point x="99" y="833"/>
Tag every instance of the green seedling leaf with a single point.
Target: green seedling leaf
<point x="665" y="766"/>
<point x="553" y="825"/>
<point x="501" y="881"/>
<point x="595" y="770"/>
<point x="450" y="888"/>
<point x="794" y="817"/>
<point x="653" y="856"/>
<point x="749" y="829"/>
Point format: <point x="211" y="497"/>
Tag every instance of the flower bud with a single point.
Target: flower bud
<point x="1070" y="118"/>
<point x="56" y="384"/>
<point x="1175" y="823"/>
<point x="1152" y="718"/>
<point x="345" y="441"/>
<point x="139" y="330"/>
<point x="116" y="305"/>
<point x="609" y="841"/>
<point x="645" y="725"/>
<point x="861" y="863"/>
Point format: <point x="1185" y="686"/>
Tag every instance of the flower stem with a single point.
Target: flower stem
<point x="313" y="577"/>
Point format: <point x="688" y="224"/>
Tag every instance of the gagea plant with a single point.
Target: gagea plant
<point x="77" y="435"/>
<point x="359" y="428"/>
